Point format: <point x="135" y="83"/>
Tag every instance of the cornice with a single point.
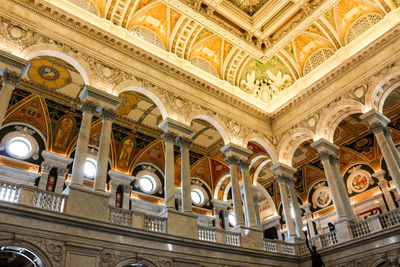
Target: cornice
<point x="81" y="26"/>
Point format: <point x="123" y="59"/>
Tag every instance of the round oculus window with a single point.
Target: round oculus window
<point x="90" y="168"/>
<point x="147" y="183"/>
<point x="20" y="147"/>
<point x="197" y="197"/>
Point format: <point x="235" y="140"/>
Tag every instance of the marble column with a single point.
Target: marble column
<point x="117" y="179"/>
<point x="10" y="81"/>
<point x="186" y="181"/>
<point x="61" y="174"/>
<point x="126" y="196"/>
<point x="108" y="115"/>
<point x="327" y="155"/>
<point x="250" y="214"/>
<point x="388" y="134"/>
<point x="221" y="206"/>
<point x="296" y="207"/>
<point x="310" y="223"/>
<point x="290" y="224"/>
<point x="236" y="198"/>
<point x="384" y="186"/>
<point x="88" y="109"/>
<point x="378" y="123"/>
<point x="169" y="183"/>
<point x="44" y="176"/>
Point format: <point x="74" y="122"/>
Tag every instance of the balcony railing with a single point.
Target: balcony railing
<point x="207" y="234"/>
<point x="9" y="192"/>
<point x="154" y="223"/>
<point x="360" y="229"/>
<point x="232" y="239"/>
<point x="120" y="216"/>
<point x="390" y="219"/>
<point x="329" y="239"/>
<point x="49" y="201"/>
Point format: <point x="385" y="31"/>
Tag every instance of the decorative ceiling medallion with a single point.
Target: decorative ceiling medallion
<point x="359" y="180"/>
<point x="48" y="74"/>
<point x="249" y="6"/>
<point x="322" y="196"/>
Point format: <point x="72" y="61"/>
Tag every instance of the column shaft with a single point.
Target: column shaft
<point x="388" y="134"/>
<point x="10" y="81"/>
<point x="82" y="143"/>
<point x="104" y="149"/>
<point x="286" y="206"/>
<point x="186" y="183"/>
<point x="236" y="198"/>
<point x="169" y="183"/>
<point x="297" y="211"/>
<point x="248" y="196"/>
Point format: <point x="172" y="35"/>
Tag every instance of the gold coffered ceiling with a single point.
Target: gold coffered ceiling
<point x="260" y="46"/>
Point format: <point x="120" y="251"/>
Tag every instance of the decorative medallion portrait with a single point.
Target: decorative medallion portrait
<point x="321" y="197"/>
<point x="359" y="180"/>
<point x="48" y="73"/>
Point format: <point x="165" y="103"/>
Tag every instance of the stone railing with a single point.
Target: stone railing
<point x="278" y="246"/>
<point x="360" y="229"/>
<point x="271" y="245"/>
<point x="207" y="234"/>
<point x="49" y="201"/>
<point x="232" y="239"/>
<point x="389" y="219"/>
<point x="155" y="223"/>
<point x="329" y="239"/>
<point x="120" y="216"/>
<point x="9" y="192"/>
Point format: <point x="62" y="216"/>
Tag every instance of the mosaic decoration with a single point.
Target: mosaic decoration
<point x="321" y="197"/>
<point x="359" y="180"/>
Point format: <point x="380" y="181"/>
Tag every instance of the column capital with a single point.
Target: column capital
<point x="184" y="142"/>
<point x="243" y="164"/>
<point x="323" y="155"/>
<point x="236" y="151"/>
<point x="377" y="127"/>
<point x="281" y="179"/>
<point x="108" y="114"/>
<point x="232" y="160"/>
<point x="374" y="116"/>
<point x="61" y="171"/>
<point x="89" y="106"/>
<point x="102" y="98"/>
<point x="283" y="169"/>
<point x="169" y="137"/>
<point x="46" y="167"/>
<point x="387" y="131"/>
<point x="323" y="145"/>
<point x="120" y="178"/>
<point x="334" y="159"/>
<point x="179" y="128"/>
<point x="11" y="77"/>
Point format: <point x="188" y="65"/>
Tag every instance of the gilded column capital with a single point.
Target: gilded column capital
<point x="108" y="114"/>
<point x="89" y="106"/>
<point x="243" y="164"/>
<point x="183" y="142"/>
<point x="376" y="128"/>
<point x="169" y="137"/>
<point x="232" y="160"/>
<point x="11" y="77"/>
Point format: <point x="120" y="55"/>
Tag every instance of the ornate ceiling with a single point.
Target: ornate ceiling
<point x="260" y="46"/>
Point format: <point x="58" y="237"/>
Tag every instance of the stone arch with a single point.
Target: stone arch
<point x="145" y="262"/>
<point x="218" y="185"/>
<point x="57" y="51"/>
<point x="214" y="121"/>
<point x="329" y="122"/>
<point x="264" y="143"/>
<point x="267" y="200"/>
<point x="138" y="86"/>
<point x="291" y="141"/>
<point x="259" y="168"/>
<point x="381" y="86"/>
<point x="30" y="246"/>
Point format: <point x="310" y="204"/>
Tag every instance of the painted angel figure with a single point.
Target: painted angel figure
<point x="277" y="81"/>
<point x="250" y="85"/>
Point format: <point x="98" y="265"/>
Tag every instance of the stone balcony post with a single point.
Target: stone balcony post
<point x="117" y="179"/>
<point x="219" y="206"/>
<point x="384" y="186"/>
<point x="378" y="125"/>
<point x="310" y="224"/>
<point x="169" y="187"/>
<point x="58" y="161"/>
<point x="12" y="68"/>
<point x="44" y="176"/>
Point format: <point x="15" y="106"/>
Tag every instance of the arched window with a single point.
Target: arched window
<point x="147" y="183"/>
<point x="90" y="168"/>
<point x="17" y="256"/>
<point x="19" y="147"/>
<point x="204" y="65"/>
<point x="148" y="36"/>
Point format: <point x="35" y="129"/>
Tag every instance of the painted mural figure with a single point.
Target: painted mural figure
<point x="63" y="133"/>
<point x="125" y="153"/>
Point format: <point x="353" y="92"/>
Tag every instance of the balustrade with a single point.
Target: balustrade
<point x="9" y="192"/>
<point x="232" y="239"/>
<point x="120" y="216"/>
<point x="329" y="239"/>
<point x="360" y="229"/>
<point x="49" y="201"/>
<point x="303" y="248"/>
<point x="207" y="234"/>
<point x="154" y="224"/>
<point x="390" y="219"/>
<point x="270" y="245"/>
<point x="288" y="248"/>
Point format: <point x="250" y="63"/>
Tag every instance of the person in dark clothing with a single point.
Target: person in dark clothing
<point x="316" y="258"/>
<point x="331" y="227"/>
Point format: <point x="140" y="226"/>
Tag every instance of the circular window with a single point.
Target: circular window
<point x="90" y="168"/>
<point x="20" y="147"/>
<point x="197" y="197"/>
<point x="232" y="219"/>
<point x="147" y="183"/>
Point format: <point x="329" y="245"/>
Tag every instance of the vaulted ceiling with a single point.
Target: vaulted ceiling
<point x="260" y="46"/>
